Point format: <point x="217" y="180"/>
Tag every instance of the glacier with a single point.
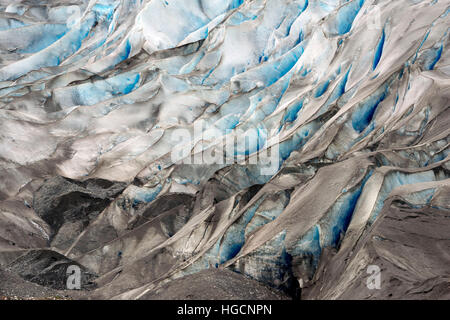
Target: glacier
<point x="293" y="142"/>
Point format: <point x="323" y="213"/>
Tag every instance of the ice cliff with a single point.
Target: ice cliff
<point x="349" y="97"/>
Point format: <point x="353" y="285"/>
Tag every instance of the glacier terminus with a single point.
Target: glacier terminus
<point x="225" y="149"/>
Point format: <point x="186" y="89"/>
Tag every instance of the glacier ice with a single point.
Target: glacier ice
<point x="109" y="109"/>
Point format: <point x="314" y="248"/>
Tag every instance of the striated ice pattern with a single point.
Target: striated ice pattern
<point x="290" y="141"/>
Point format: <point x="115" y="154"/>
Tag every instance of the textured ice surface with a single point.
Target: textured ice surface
<point x="350" y="96"/>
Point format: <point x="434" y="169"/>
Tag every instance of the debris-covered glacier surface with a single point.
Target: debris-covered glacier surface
<point x="294" y="142"/>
